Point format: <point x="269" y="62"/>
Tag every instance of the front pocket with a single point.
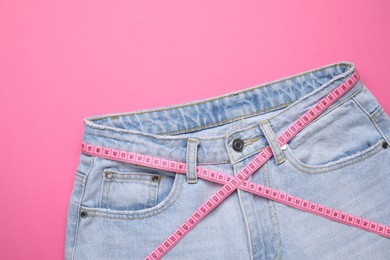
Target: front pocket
<point x="342" y="136"/>
<point x="331" y="166"/>
<point x="129" y="190"/>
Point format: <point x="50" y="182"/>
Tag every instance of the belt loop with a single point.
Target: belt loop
<point x="191" y="164"/>
<point x="272" y="141"/>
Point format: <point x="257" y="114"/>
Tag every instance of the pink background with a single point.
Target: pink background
<point x="63" y="61"/>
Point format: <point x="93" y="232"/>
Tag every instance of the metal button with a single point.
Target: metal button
<point x="238" y="144"/>
<point x="155" y="178"/>
<point x="284" y="147"/>
<point x="385" y="145"/>
<point x="84" y="214"/>
<point x="108" y="175"/>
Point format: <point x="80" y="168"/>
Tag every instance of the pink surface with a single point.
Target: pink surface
<point x="63" y="61"/>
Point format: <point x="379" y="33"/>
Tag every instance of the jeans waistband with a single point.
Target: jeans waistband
<point x="164" y="132"/>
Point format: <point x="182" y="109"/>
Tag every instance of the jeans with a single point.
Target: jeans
<point x="119" y="210"/>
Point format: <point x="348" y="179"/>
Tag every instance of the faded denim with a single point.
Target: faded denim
<point x="339" y="160"/>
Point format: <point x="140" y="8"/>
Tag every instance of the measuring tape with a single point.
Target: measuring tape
<point x="238" y="181"/>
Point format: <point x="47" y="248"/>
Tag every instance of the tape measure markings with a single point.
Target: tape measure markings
<point x="226" y="190"/>
<point x="254" y="188"/>
<point x="231" y="183"/>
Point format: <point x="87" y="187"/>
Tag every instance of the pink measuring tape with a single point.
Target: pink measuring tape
<point x="231" y="183"/>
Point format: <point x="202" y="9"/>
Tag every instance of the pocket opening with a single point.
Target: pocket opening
<point x="332" y="166"/>
<point x="121" y="191"/>
<point x="342" y="135"/>
<point x="129" y="190"/>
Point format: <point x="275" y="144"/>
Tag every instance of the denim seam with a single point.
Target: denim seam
<point x="149" y="195"/>
<point x="129" y="180"/>
<point x="250" y="154"/>
<point x="241" y="123"/>
<point x="220" y="162"/>
<point x="200" y="163"/>
<point x="350" y="161"/>
<point x="380" y="131"/>
<point x="149" y="200"/>
<point x="155" y="197"/>
<point x="279" y="156"/>
<point x="160" y="138"/>
<point x="377" y="114"/>
<point x="126" y="180"/>
<point x="332" y="108"/>
<point x="351" y="66"/>
<point x="101" y="190"/>
<point x="245" y="116"/>
<point x="99" y="213"/>
<point x="267" y="206"/>
<point x="266" y="180"/>
<point x="108" y="194"/>
<point x="192" y="179"/>
<point x="361" y="107"/>
<point x="251" y="141"/>
<point x="78" y="206"/>
<point x="371" y="117"/>
<point x="188" y="163"/>
<point x="129" y="175"/>
<point x="155" y="136"/>
<point x="80" y="177"/>
<point x="195" y="152"/>
<point x="227" y="120"/>
<point x="138" y="133"/>
<point x="279" y="243"/>
<point x="131" y="215"/>
<point x="314" y="92"/>
<point x="105" y="195"/>
<point x="270" y="203"/>
<point x="247" y="227"/>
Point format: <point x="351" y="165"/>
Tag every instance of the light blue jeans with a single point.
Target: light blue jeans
<point x="340" y="160"/>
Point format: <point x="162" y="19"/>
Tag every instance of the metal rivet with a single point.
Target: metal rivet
<point x="284" y="147"/>
<point x="238" y="144"/>
<point x="84" y="214"/>
<point x="108" y="175"/>
<point x="385" y="145"/>
<point x="155" y="178"/>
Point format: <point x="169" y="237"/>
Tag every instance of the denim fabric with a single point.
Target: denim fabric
<point x="338" y="161"/>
